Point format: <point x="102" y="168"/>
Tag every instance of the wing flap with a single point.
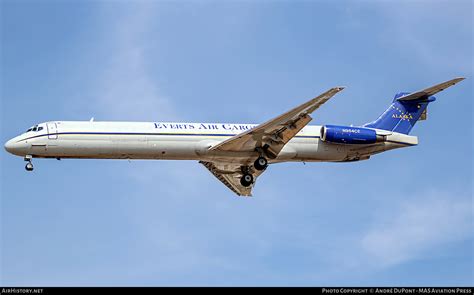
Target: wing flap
<point x="220" y="176"/>
<point x="229" y="174"/>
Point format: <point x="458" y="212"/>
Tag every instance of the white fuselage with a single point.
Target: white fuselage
<point x="180" y="141"/>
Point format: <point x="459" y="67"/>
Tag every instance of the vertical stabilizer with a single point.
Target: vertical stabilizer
<point x="407" y="108"/>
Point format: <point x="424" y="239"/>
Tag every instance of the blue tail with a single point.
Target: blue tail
<point x="407" y="108"/>
<point x="402" y="115"/>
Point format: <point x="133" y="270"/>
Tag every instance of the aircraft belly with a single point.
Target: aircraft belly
<point x="173" y="149"/>
<point x="82" y="148"/>
<point x="118" y="148"/>
<point x="317" y="150"/>
<point x="186" y="148"/>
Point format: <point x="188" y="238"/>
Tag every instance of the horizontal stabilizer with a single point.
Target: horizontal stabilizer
<point x="425" y="93"/>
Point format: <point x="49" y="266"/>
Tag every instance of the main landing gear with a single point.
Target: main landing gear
<point x="247" y="178"/>
<point x="29" y="165"/>
<point x="260" y="164"/>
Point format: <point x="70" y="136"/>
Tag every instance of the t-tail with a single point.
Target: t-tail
<point x="407" y="108"/>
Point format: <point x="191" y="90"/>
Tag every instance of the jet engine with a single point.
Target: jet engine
<point x="349" y="135"/>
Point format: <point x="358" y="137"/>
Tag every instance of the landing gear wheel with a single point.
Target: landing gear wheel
<point x="246" y="180"/>
<point x="260" y="164"/>
<point x="29" y="166"/>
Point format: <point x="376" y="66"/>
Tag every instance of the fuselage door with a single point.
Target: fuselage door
<point x="52" y="131"/>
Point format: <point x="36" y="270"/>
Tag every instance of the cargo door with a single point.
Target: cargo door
<point x="52" y="130"/>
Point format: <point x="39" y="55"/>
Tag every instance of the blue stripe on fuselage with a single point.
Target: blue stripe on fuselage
<point x="147" y="134"/>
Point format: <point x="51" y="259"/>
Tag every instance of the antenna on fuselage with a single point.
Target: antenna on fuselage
<point x="92" y="119"/>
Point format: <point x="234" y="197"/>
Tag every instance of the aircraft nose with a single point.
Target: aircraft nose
<point x="10" y="146"/>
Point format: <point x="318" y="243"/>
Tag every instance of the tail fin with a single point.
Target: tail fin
<point x="407" y="108"/>
<point x="401" y="116"/>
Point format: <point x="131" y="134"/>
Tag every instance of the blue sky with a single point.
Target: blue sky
<point x="404" y="217"/>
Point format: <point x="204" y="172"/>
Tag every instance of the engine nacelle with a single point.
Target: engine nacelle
<point x="349" y="135"/>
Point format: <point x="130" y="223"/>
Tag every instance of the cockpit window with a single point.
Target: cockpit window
<point x="35" y="128"/>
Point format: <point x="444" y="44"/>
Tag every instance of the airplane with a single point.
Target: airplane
<point x="236" y="154"/>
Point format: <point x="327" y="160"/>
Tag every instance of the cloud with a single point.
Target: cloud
<point x="401" y="230"/>
<point x="125" y="88"/>
<point x="415" y="227"/>
<point x="412" y="28"/>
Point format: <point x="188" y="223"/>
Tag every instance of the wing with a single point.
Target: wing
<point x="272" y="135"/>
<point x="230" y="174"/>
<point x="425" y="93"/>
<point x="269" y="137"/>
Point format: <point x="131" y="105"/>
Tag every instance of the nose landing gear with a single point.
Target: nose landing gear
<point x="29" y="165"/>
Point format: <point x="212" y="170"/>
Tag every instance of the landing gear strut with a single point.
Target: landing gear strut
<point x="29" y="165"/>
